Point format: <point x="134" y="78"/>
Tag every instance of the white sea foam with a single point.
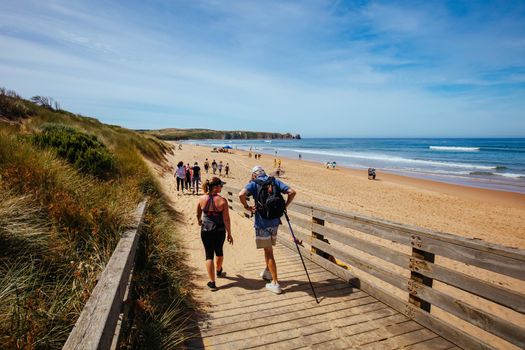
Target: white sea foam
<point x="386" y="158"/>
<point x="511" y="175"/>
<point x="454" y="149"/>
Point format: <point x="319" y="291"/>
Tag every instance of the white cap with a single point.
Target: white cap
<point x="258" y="170"/>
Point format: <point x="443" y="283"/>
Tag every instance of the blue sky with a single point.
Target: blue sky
<point x="318" y="68"/>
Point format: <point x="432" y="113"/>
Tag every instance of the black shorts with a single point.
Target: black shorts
<point x="213" y="242"/>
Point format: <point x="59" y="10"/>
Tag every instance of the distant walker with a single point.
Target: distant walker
<point x="371" y="174"/>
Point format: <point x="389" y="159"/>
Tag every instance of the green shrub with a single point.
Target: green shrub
<point x="81" y="150"/>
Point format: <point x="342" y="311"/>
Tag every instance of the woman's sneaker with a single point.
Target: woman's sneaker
<point x="274" y="288"/>
<point x="212" y="286"/>
<point x="221" y="273"/>
<point x="266" y="275"/>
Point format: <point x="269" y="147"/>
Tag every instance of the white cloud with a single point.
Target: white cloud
<point x="297" y="67"/>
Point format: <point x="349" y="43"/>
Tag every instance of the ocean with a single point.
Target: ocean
<point x="497" y="164"/>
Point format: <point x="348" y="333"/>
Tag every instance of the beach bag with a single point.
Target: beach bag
<point x="269" y="202"/>
<point x="208" y="225"/>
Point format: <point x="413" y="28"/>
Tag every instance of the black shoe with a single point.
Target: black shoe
<point x="221" y="273"/>
<point x="212" y="286"/>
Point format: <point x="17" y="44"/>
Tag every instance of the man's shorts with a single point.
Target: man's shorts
<point x="266" y="237"/>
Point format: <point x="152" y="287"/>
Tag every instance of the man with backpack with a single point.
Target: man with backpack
<point x="268" y="208"/>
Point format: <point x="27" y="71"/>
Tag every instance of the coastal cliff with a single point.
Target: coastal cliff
<point x="196" y="134"/>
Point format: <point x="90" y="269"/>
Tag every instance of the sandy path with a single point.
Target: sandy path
<point x="243" y="252"/>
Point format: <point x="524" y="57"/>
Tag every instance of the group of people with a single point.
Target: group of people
<point x="188" y="177"/>
<point x="214" y="220"/>
<point x="330" y="165"/>
<point x="256" y="155"/>
<point x="217" y="167"/>
<point x="371" y="174"/>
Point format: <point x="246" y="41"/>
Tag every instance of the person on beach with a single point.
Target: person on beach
<point x="300" y="156"/>
<point x="206" y="165"/>
<point x="180" y="175"/>
<point x="371" y="174"/>
<point x="278" y="171"/>
<point x="214" y="167"/>
<point x="265" y="228"/>
<point x="214" y="219"/>
<point x="227" y="169"/>
<point x="196" y="178"/>
<point x="220" y="167"/>
<point x="187" y="181"/>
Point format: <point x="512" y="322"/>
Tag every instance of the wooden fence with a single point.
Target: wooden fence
<point x="98" y="326"/>
<point x="412" y="260"/>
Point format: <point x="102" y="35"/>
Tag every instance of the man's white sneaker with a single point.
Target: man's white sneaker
<point x="266" y="275"/>
<point x="274" y="288"/>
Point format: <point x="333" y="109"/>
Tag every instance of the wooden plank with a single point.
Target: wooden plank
<point x="492" y="292"/>
<point x="408" y="230"/>
<point x="298" y="208"/>
<point x="95" y="327"/>
<point x="479" y="255"/>
<point x="392" y="256"/>
<point x="361" y="339"/>
<point x="392" y="235"/>
<point x="353" y="336"/>
<point x="388" y="276"/>
<point x="240" y="330"/>
<point x="320" y="331"/>
<point x="485" y="260"/>
<point x="402" y="340"/>
<point x="442" y="328"/>
<point x="437" y="343"/>
<point x="446" y="330"/>
<point x="473" y="315"/>
<point x="284" y="326"/>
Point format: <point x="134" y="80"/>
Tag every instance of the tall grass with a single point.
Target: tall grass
<point x="162" y="286"/>
<point x="59" y="226"/>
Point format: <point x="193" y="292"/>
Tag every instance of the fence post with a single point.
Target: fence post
<point x="415" y="276"/>
<point x="320" y="237"/>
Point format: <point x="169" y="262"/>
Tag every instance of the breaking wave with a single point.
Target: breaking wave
<point x="454" y="149"/>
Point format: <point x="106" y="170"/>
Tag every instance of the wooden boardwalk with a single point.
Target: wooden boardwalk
<point x="345" y="318"/>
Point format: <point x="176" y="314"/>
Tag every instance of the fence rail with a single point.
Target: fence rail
<point x="96" y="328"/>
<point x="328" y="232"/>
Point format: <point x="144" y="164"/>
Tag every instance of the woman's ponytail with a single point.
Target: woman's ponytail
<point x="206" y="187"/>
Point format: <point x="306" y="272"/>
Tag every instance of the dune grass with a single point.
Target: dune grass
<point x="59" y="225"/>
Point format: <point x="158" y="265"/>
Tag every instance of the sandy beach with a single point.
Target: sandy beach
<point x="492" y="216"/>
